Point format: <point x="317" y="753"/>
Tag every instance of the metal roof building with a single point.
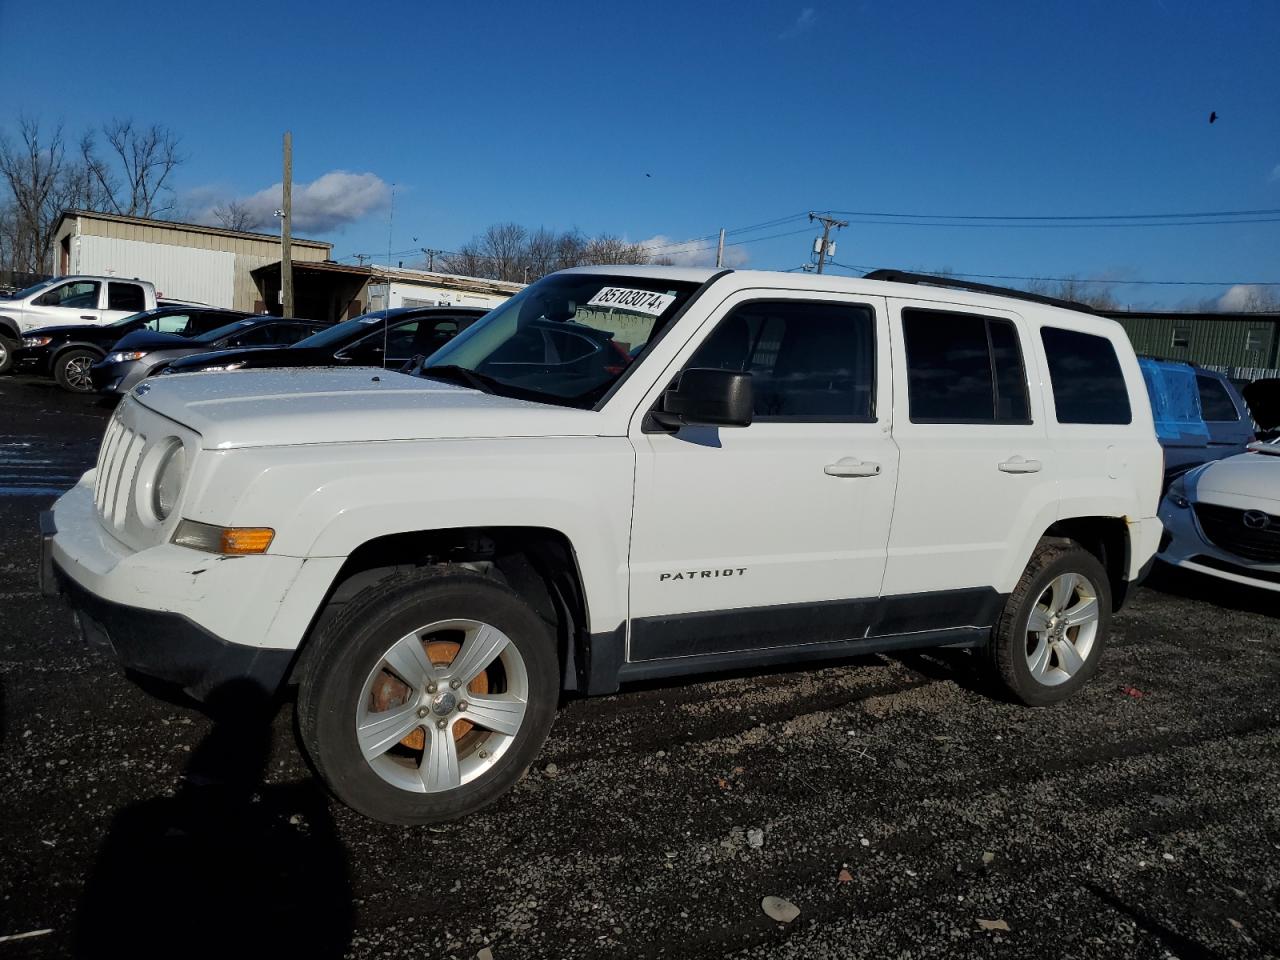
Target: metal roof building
<point x="1239" y="341"/>
<point x="186" y="261"/>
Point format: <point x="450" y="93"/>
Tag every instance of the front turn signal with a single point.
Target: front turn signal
<point x="233" y="541"/>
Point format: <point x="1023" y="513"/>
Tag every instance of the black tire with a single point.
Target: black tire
<point x="1008" y="650"/>
<point x="71" y="369"/>
<point x="349" y="647"/>
<point x="8" y="352"/>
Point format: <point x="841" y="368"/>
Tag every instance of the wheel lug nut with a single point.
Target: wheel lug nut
<point x="431" y="688"/>
<point x="423" y="711"/>
<point x="462" y="707"/>
<point x="441" y="724"/>
<point x="455" y="683"/>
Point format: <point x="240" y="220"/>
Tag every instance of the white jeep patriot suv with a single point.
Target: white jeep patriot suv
<point x="622" y="473"/>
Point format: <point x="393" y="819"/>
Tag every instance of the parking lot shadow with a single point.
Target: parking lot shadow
<point x="227" y="867"/>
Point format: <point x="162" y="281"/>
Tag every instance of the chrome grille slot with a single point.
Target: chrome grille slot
<point x="109" y="440"/>
<point x="118" y="464"/>
<point x="124" y="480"/>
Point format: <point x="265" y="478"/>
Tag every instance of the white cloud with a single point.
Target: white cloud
<point x="1241" y="297"/>
<point x="802" y="25"/>
<point x="694" y="253"/>
<point x="328" y="202"/>
<point x="1275" y="173"/>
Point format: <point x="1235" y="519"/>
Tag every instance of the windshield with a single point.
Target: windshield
<point x="340" y="334"/>
<point x="223" y="331"/>
<point x="34" y="288"/>
<point x="567" y="338"/>
<point x="133" y="318"/>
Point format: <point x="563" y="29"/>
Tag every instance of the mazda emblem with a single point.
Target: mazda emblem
<point x="1256" y="520"/>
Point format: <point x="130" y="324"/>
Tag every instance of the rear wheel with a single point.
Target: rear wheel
<point x="1050" y="636"/>
<point x="428" y="697"/>
<point x="8" y="352"/>
<point x="71" y="370"/>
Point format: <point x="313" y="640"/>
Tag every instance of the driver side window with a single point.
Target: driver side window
<point x="78" y="295"/>
<point x="809" y="361"/>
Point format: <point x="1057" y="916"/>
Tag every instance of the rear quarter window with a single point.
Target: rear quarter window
<point x="1088" y="384"/>
<point x="1215" y="403"/>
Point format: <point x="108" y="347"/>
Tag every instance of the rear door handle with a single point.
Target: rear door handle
<point x="852" y="467"/>
<point x="1016" y="464"/>
<point x="88" y="316"/>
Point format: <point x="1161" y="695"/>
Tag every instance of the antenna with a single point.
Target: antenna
<point x="386" y="304"/>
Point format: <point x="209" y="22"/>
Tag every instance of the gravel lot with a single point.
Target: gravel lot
<point x="892" y="799"/>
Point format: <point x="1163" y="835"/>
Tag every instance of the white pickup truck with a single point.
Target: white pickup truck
<point x="622" y="473"/>
<point x="69" y="300"/>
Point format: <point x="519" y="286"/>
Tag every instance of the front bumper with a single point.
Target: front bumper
<point x="1187" y="547"/>
<point x="195" y="619"/>
<point x="115" y="377"/>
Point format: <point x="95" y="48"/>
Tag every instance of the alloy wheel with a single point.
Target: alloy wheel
<point x="442" y="705"/>
<point x="1062" y="628"/>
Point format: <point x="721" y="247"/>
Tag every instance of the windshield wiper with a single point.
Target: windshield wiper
<point x="452" y="373"/>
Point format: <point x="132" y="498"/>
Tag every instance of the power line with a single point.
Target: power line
<point x="1060" y="226"/>
<point x="1157" y="283"/>
<point x="1104" y="216"/>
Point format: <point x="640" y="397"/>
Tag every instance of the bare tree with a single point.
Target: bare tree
<point x="235" y="215"/>
<point x="144" y="158"/>
<point x="42" y="182"/>
<point x="507" y="251"/>
<point x="1094" y="293"/>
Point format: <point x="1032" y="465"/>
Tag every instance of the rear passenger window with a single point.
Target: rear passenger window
<point x="1088" y="385"/>
<point x="1215" y="403"/>
<point x="125" y="296"/>
<point x="963" y="368"/>
<point x="808" y="361"/>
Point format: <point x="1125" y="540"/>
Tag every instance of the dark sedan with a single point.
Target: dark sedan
<point x="383" y="338"/>
<point x="66" y="352"/>
<point x="144" y="353"/>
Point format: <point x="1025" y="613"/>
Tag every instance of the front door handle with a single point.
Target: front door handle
<point x="87" y="316"/>
<point x="852" y="467"/>
<point x="1017" y="464"/>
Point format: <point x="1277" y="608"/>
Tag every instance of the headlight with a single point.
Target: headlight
<point x="123" y="356"/>
<point x="36" y="341"/>
<point x="169" y="477"/>
<point x="220" y="367"/>
<point x="1178" y="493"/>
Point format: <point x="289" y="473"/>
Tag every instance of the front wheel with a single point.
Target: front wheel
<point x="1050" y="636"/>
<point x="8" y="353"/>
<point x="71" y="370"/>
<point x="428" y="697"/>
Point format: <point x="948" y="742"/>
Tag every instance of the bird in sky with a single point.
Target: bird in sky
<point x="1213" y="116"/>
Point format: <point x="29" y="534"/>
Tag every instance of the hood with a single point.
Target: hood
<point x="70" y="331"/>
<point x="284" y="407"/>
<point x="259" y="356"/>
<point x="150" y="340"/>
<point x="1253" y="475"/>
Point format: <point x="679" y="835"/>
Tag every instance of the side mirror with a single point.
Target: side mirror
<point x="708" y="398"/>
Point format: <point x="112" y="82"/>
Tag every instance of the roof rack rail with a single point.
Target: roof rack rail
<point x="902" y="276"/>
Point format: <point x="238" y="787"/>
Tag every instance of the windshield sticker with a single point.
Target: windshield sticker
<point x="637" y="301"/>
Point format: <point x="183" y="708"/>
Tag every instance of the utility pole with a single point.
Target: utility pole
<point x="720" y="251"/>
<point x="431" y="257"/>
<point x="362" y="257"/>
<point x="286" y="228"/>
<point x="827" y="224"/>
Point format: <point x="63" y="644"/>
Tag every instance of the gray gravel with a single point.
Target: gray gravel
<point x="1114" y="825"/>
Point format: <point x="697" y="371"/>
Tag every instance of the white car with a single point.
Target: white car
<point x="1223" y="519"/>
<point x="622" y="473"/>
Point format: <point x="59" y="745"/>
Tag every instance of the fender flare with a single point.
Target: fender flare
<point x="9" y="328"/>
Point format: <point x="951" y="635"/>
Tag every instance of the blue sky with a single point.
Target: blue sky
<point x="739" y="113"/>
